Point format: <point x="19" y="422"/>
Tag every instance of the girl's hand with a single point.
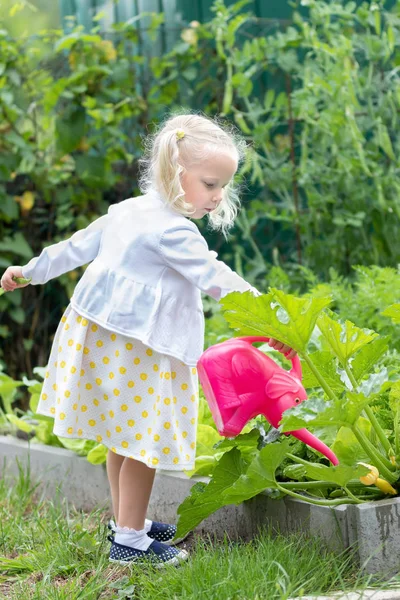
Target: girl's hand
<point x="287" y="351"/>
<point x="8" y="282"/>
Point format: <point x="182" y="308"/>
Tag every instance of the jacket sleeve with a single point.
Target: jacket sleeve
<point x="81" y="248"/>
<point x="186" y="251"/>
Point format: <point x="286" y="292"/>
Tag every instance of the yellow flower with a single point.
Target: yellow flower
<point x="371" y="477"/>
<point x="83" y="145"/>
<point x="108" y="49"/>
<point x="27" y="201"/>
<point x="72" y="59"/>
<point x="385" y="487"/>
<point x="190" y="37"/>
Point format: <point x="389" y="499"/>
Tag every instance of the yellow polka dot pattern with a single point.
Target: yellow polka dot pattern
<point x="110" y="388"/>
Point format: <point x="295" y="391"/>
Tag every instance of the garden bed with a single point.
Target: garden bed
<point x="373" y="528"/>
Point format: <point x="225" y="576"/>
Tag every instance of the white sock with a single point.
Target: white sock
<point x="147" y="524"/>
<point x="133" y="538"/>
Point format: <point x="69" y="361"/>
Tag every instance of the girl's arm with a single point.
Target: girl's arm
<point x="186" y="251"/>
<point x="81" y="248"/>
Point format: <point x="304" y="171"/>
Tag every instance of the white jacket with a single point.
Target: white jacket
<point x="149" y="265"/>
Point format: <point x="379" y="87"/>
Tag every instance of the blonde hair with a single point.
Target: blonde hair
<point x="180" y="142"/>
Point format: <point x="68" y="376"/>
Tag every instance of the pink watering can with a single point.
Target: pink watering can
<point x="241" y="382"/>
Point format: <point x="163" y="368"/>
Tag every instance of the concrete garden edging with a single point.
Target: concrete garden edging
<point x="370" y="594"/>
<point x="372" y="528"/>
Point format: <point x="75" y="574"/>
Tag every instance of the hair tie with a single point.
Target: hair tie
<point x="179" y="134"/>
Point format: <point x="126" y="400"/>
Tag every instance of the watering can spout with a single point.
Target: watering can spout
<point x="308" y="438"/>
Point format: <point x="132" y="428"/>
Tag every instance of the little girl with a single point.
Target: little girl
<point x="122" y="368"/>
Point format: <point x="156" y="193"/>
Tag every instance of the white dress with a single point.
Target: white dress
<point x="104" y="386"/>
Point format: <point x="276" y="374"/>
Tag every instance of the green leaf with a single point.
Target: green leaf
<point x="326" y="365"/>
<point x="319" y="413"/>
<point x="91" y="169"/>
<point x="368" y="356"/>
<point x="346" y="446"/>
<point x="305" y="413"/>
<point x="241" y="441"/>
<point x="377" y="18"/>
<point x="18" y="6"/>
<point x="81" y="447"/>
<point x="207" y="437"/>
<point x="269" y="99"/>
<point x="341" y="474"/>
<point x="343" y="339"/>
<point x="373" y="384"/>
<point x="394" y="396"/>
<point x="282" y="316"/>
<point x="70" y="130"/>
<point x="260" y="474"/>
<point x="243" y="83"/>
<point x="247" y="443"/>
<point x="391" y="38"/>
<point x="17" y="245"/>
<point x="33" y="402"/>
<point x="97" y="455"/>
<point x="204" y="466"/>
<point x="9" y="208"/>
<point x="8" y="388"/>
<point x="68" y="41"/>
<point x="17" y="315"/>
<point x="393" y="312"/>
<point x="384" y="140"/>
<point x="20" y="423"/>
<point x="28" y="344"/>
<point x="206" y="499"/>
<point x="45" y="435"/>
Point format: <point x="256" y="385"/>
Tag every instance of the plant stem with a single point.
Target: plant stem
<point x="352" y="495"/>
<point x="297" y="459"/>
<point x="353" y="483"/>
<point x="327" y="389"/>
<point x="371" y="497"/>
<point x="385" y="461"/>
<point x="374" y="422"/>
<point x="378" y="429"/>
<point x="307" y="485"/>
<point x="317" y="502"/>
<point x="373" y="454"/>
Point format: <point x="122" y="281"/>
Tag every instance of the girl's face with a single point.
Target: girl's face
<point x="203" y="183"/>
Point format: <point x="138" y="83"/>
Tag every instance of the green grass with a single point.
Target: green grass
<point x="49" y="551"/>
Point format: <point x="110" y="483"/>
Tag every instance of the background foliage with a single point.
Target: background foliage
<point x="317" y="102"/>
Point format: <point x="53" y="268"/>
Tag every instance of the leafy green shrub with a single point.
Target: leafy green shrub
<point x="321" y="169"/>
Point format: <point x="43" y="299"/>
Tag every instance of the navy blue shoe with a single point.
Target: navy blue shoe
<point x="161" y="532"/>
<point x="157" y="554"/>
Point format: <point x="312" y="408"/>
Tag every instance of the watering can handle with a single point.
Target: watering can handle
<point x="295" y="361"/>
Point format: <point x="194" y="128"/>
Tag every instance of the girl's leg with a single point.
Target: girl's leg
<point x="135" y="485"/>
<point x="114" y="464"/>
